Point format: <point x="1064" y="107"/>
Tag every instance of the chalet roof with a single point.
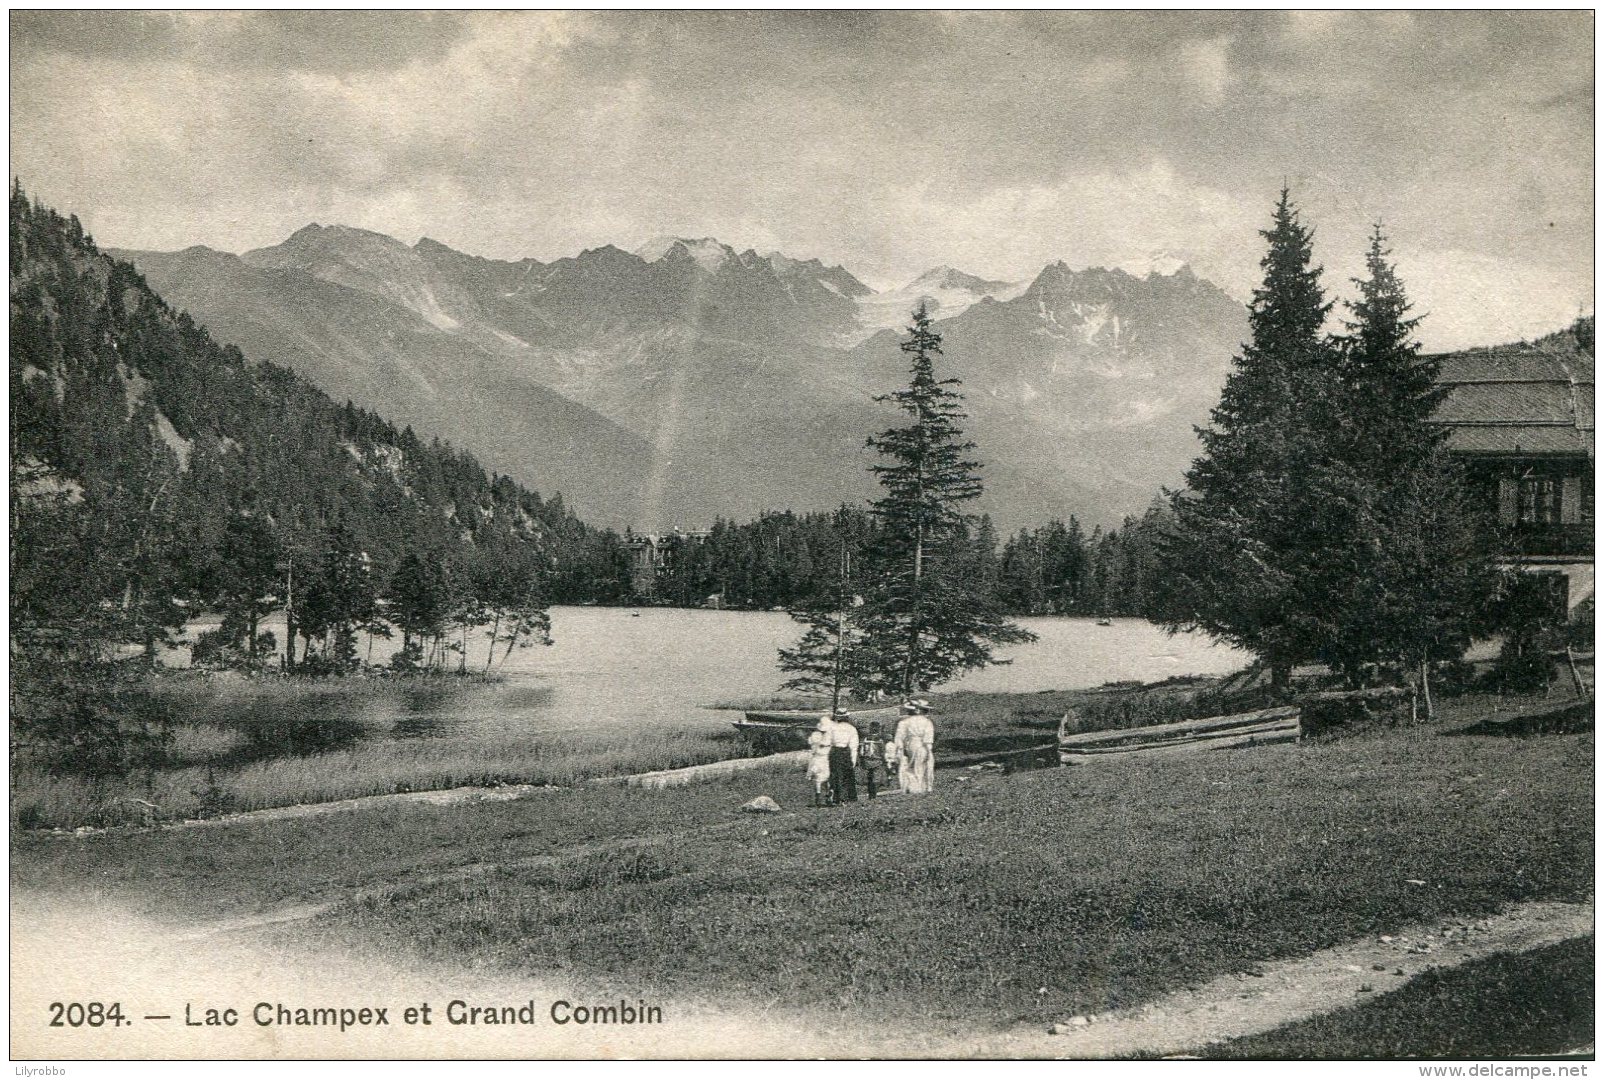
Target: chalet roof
<point x="1531" y="398"/>
<point x="1520" y="439"/>
<point x="1515" y="363"/>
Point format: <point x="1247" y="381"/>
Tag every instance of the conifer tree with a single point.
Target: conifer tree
<point x="1244" y="523"/>
<point x="833" y="653"/>
<point x="924" y="620"/>
<point x="1418" y="566"/>
<point x="1391" y="392"/>
<point x="1325" y="521"/>
<point x="249" y="555"/>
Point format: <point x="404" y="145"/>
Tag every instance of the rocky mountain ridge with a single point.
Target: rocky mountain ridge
<point x="688" y="380"/>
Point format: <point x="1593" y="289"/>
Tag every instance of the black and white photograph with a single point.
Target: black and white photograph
<point x="802" y="535"/>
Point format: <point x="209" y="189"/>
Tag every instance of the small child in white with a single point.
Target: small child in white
<point x="819" y="762"/>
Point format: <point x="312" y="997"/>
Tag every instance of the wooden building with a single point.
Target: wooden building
<point x="1521" y="419"/>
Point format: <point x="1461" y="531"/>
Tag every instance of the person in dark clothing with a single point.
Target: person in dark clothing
<point x="872" y="756"/>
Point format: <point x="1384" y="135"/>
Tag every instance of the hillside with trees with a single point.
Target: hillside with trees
<point x="157" y="473"/>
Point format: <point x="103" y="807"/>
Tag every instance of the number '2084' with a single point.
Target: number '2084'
<point x="92" y="1014"/>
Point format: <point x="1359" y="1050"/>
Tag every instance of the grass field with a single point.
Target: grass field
<point x="1536" y="1003"/>
<point x="996" y="900"/>
<point x="254" y="744"/>
<point x="242" y="745"/>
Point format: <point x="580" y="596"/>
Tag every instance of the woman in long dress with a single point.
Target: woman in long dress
<point x="915" y="748"/>
<point x="819" y="763"/>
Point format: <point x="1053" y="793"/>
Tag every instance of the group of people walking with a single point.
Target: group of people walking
<point x="839" y="750"/>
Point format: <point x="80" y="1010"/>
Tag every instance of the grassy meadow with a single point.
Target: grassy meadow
<point x="250" y="744"/>
<point x="996" y="900"/>
<point x="1051" y="892"/>
<point x="239" y="744"/>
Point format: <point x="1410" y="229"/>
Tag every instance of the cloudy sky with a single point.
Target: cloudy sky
<point x="889" y="142"/>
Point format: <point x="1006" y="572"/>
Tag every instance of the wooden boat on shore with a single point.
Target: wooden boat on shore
<point x="788" y="728"/>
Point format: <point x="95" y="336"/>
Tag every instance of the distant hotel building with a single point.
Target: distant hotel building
<point x="652" y="555"/>
<point x="1521" y="419"/>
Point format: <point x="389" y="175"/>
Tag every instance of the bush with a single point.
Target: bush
<point x="407" y="658"/>
<point x="98" y="721"/>
<point x="1348" y="711"/>
<point x="1521" y="668"/>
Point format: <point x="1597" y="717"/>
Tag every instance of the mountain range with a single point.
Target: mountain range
<point x="687" y="380"/>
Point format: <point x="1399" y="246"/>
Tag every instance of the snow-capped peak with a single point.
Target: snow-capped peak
<point x="707" y="252"/>
<point x="944" y="291"/>
<point x="1162" y="263"/>
<point x="946" y="277"/>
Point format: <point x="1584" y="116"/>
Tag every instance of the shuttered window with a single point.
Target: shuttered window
<point x="1570" y="507"/>
<point x="1506" y="502"/>
<point x="1538" y="500"/>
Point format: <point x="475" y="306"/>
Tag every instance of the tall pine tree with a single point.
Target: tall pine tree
<point x="1392" y="393"/>
<point x="1421" y="568"/>
<point x="1245" y="525"/>
<point x="925" y="619"/>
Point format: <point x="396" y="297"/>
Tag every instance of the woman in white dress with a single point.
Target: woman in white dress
<point x="914" y="746"/>
<point x="819" y="762"/>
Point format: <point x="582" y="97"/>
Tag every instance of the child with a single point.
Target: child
<point x="819" y="762"/>
<point x="872" y="756"/>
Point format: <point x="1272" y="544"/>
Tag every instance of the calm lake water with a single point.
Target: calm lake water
<point x="660" y="667"/>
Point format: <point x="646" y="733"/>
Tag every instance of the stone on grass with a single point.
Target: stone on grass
<point x="761" y="805"/>
<point x="1064" y="1027"/>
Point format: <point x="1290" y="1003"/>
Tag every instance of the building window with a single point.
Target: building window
<point x="1538" y="501"/>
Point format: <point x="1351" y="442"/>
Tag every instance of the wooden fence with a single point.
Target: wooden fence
<point x="1281" y="724"/>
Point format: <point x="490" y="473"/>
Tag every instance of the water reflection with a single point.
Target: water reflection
<point x="660" y="670"/>
<point x="452" y="708"/>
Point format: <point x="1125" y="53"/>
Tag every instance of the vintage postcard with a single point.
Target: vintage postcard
<point x="802" y="535"/>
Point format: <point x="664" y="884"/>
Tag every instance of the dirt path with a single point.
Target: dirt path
<point x="1283" y="991"/>
<point x="434" y="797"/>
<point x="87" y="952"/>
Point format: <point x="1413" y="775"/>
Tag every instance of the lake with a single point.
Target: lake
<point x="660" y="667"/>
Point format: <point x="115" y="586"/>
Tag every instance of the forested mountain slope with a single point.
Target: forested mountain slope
<point x="357" y="343"/>
<point x="156" y="472"/>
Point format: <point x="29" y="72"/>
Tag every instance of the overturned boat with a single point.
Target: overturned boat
<point x="787" y="729"/>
